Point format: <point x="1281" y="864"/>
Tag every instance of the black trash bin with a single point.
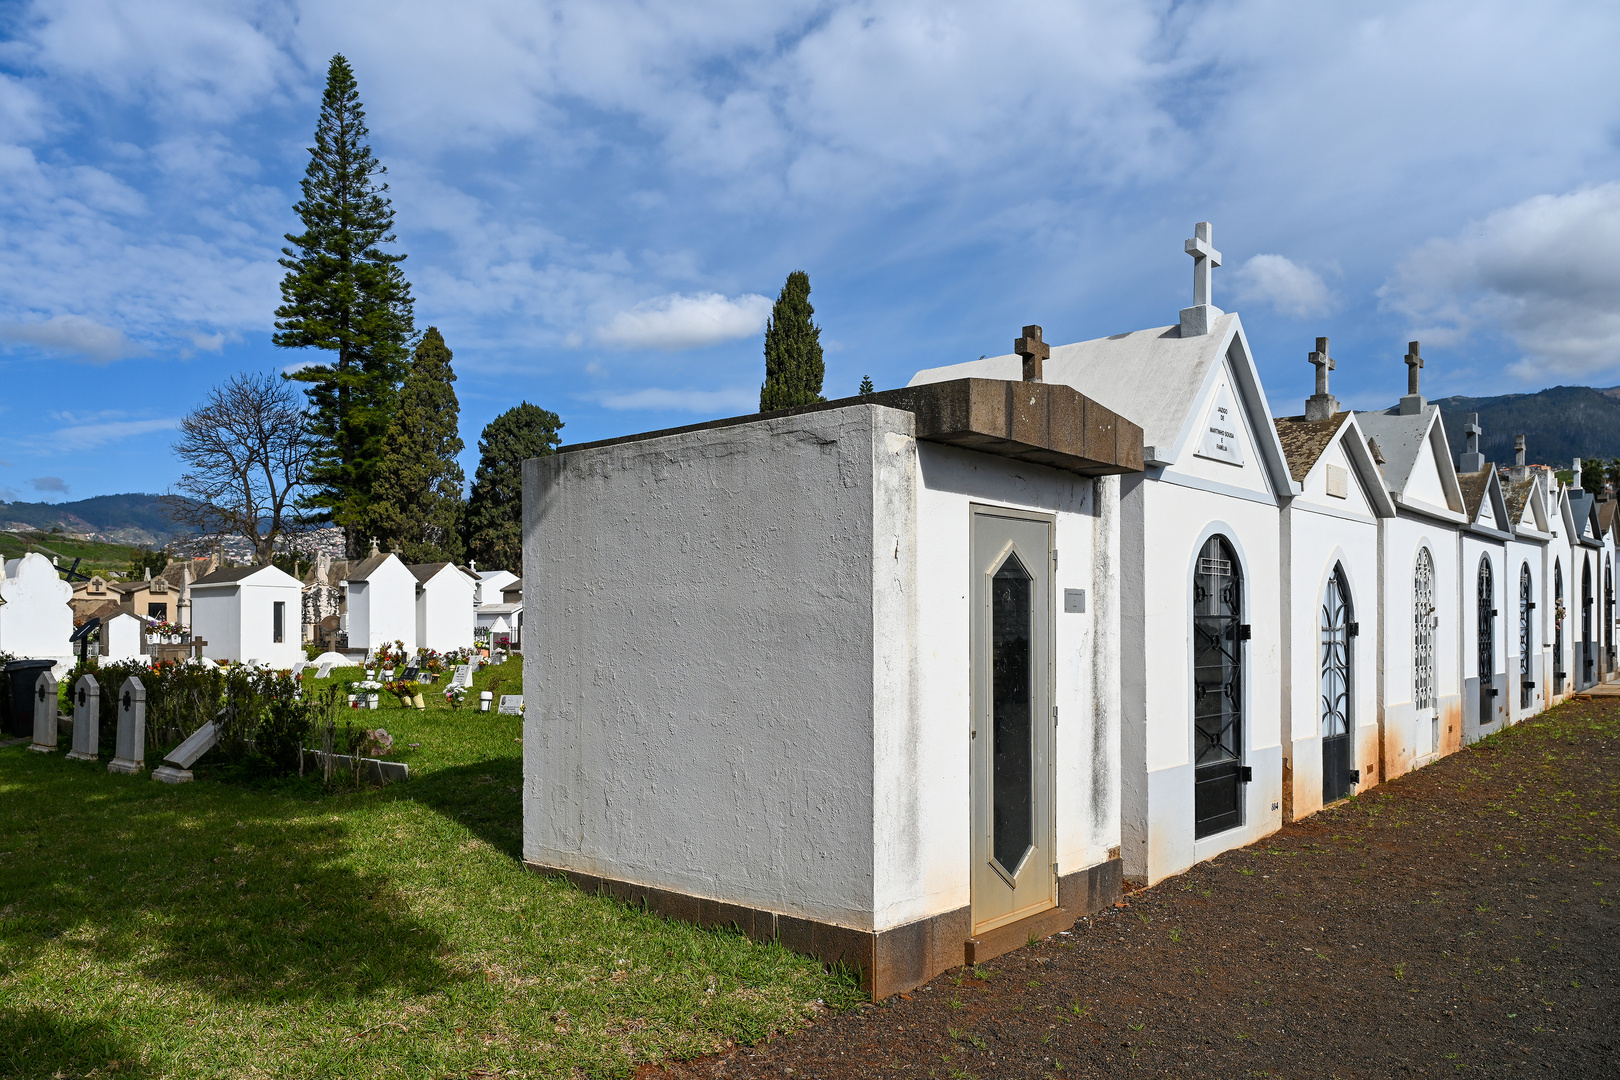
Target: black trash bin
<point x="23" y="676"/>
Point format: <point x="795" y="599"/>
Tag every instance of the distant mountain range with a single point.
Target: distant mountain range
<point x="1559" y="424"/>
<point x="118" y="519"/>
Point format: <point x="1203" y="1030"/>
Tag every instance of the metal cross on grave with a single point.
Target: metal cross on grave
<point x="1414" y="364"/>
<point x="1324" y="364"/>
<point x="1205" y="259"/>
<point x="1034" y="351"/>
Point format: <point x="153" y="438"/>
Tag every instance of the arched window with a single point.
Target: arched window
<point x="1218" y="633"/>
<point x="1423" y="622"/>
<point x="1336" y="629"/>
<point x="1527" y="681"/>
<point x="1558" y="628"/>
<point x="1486" y="645"/>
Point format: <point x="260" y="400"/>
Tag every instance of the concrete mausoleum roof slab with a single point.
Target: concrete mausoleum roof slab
<point x="237" y="574"/>
<point x="1401" y="442"/>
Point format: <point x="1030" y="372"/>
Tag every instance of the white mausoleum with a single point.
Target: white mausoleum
<point x="844" y="675"/>
<point x="248" y="613"/>
<point x="380" y="603"/>
<point x="444" y="606"/>
<point x="36" y="620"/>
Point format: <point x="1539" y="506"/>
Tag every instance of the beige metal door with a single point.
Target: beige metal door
<point x="1012" y="722"/>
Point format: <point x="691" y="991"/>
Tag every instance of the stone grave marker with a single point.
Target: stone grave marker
<point x="324" y="671"/>
<point x="176" y="768"/>
<point x="45" y="714"/>
<point x="131" y="756"/>
<point x="463" y="676"/>
<point x="409" y="674"/>
<point x="298" y="668"/>
<point x="86" y="720"/>
<point x="511" y="705"/>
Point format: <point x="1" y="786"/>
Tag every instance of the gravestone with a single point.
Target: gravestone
<point x="298" y="668"/>
<point x="324" y="671"/>
<point x="131" y="756"/>
<point x="176" y="768"/>
<point x="86" y="720"/>
<point x="409" y="674"/>
<point x="45" y="714"/>
<point x="463" y="676"/>
<point x="511" y="705"/>
<point x="426" y="678"/>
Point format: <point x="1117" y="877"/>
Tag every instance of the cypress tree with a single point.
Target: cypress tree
<point x="793" y="366"/>
<point x="494" y="530"/>
<point x="416" y="505"/>
<point x="344" y="293"/>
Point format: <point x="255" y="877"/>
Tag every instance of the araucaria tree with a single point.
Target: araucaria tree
<point x="495" y="508"/>
<point x="416" y="504"/>
<point x="793" y="366"/>
<point x="343" y="292"/>
<point x="247" y="455"/>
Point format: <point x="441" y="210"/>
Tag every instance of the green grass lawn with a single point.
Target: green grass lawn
<point x="222" y="929"/>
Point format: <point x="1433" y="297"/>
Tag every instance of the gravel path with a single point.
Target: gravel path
<point x="1462" y="920"/>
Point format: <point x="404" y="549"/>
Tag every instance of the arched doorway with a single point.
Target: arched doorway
<point x="1423" y="624"/>
<point x="1559" y="673"/>
<point x="1218" y="634"/>
<point x="1486" y="649"/>
<point x="1586" y="621"/>
<point x="1608" y="616"/>
<point x="1527" y="679"/>
<point x="1335" y="686"/>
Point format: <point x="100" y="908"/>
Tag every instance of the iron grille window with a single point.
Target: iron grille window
<point x="1335" y="683"/>
<point x="1558" y="628"/>
<point x="1423" y="632"/>
<point x="1486" y="645"/>
<point x="1218" y="634"/>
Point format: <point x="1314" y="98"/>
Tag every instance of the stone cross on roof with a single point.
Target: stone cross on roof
<point x="374" y="551"/>
<point x="1413" y="402"/>
<point x="1034" y="351"/>
<point x="1198" y="319"/>
<point x="1518" y="451"/>
<point x="1321" y="405"/>
<point x="1472" y="460"/>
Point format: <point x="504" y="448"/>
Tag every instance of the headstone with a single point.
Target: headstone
<point x="463" y="676"/>
<point x="299" y="667"/>
<point x="511" y="705"/>
<point x="176" y="768"/>
<point x="324" y="671"/>
<point x="86" y="720"/>
<point x="45" y="714"/>
<point x="131" y="757"/>
<point x="410" y="673"/>
<point x="426" y="678"/>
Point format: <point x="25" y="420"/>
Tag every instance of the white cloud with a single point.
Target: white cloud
<point x="90" y="436"/>
<point x="730" y="401"/>
<point x="49" y="483"/>
<point x="1289" y="288"/>
<point x="1544" y="272"/>
<point x="74" y="336"/>
<point x="679" y="321"/>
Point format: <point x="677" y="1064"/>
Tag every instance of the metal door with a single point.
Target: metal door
<point x="1335" y="688"/>
<point x="1013" y="721"/>
<point x="1586" y="622"/>
<point x="1558" y="628"/>
<point x="1486" y="644"/>
<point x="1527" y="681"/>
<point x="1218" y="633"/>
<point x="1424" y="621"/>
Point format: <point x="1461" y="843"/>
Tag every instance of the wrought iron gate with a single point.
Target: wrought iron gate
<point x="1423" y="621"/>
<point x="1218" y="636"/>
<point x="1336" y="630"/>
<point x="1486" y="645"/>
<point x="1527" y="680"/>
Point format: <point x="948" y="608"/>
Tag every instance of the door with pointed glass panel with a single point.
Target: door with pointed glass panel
<point x="1013" y="726"/>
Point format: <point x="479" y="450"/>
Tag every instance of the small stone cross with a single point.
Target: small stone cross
<point x="1034" y="351"/>
<point x="374" y="551"/>
<point x="1518" y="451"/>
<point x="1324" y="364"/>
<point x="1414" y="363"/>
<point x="1205" y="259"/>
<point x="1472" y="431"/>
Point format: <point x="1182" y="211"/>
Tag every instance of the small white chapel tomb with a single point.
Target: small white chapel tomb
<point x="121" y="637"/>
<point x="380" y="603"/>
<point x="248" y="612"/>
<point x="843" y="675"/>
<point x="444" y="606"/>
<point x="36" y="619"/>
<point x="1199" y="573"/>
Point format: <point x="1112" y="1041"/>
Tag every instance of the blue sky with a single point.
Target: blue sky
<point x="599" y="199"/>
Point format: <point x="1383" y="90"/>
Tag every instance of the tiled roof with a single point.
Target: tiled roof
<point x="1474" y="485"/>
<point x="1304" y="441"/>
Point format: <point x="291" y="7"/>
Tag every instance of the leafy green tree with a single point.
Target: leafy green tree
<point x="146" y="560"/>
<point x="416" y="505"/>
<point x="494" y="529"/>
<point x="344" y="293"/>
<point x="793" y="365"/>
<point x="866" y="386"/>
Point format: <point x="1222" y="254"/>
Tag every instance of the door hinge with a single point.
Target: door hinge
<point x="1355" y="629"/>
<point x="1355" y="776"/>
<point x="1246" y="774"/>
<point x="1054" y="716"/>
<point x="1245" y="631"/>
<point x="1054" y="558"/>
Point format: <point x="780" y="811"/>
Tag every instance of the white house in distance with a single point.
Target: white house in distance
<point x="36" y="620"/>
<point x="1200" y="576"/>
<point x="503" y="619"/>
<point x="380" y="603"/>
<point x="492" y="584"/>
<point x="444" y="606"/>
<point x="248" y="613"/>
<point x="804" y="672"/>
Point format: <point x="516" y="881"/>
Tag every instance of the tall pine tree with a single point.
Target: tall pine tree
<point x="793" y="367"/>
<point x="495" y="508"/>
<point x="344" y="293"/>
<point x="416" y="504"/>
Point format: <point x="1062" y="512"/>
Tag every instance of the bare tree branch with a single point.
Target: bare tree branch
<point x="248" y="452"/>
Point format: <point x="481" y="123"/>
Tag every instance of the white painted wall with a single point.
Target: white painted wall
<point x="121" y="638"/>
<point x="749" y="678"/>
<point x="1402" y="536"/>
<point x="35" y="620"/>
<point x="1505" y="601"/>
<point x="382" y="609"/>
<point x="1532" y="553"/>
<point x="445" y="612"/>
<point x="237" y="619"/>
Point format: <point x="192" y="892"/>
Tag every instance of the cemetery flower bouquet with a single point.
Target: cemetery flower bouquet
<point x="391" y="656"/>
<point x="403" y="689"/>
<point x="429" y="662"/>
<point x="455" y="695"/>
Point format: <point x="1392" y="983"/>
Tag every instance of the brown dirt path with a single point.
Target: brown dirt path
<point x="1462" y="920"/>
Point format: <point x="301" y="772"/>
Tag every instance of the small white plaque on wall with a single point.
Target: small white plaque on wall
<point x="1338" y="482"/>
<point x="1219" y="441"/>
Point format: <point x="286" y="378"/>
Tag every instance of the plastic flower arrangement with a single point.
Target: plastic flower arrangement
<point x="455" y="695"/>
<point x="391" y="656"/>
<point x="402" y="689"/>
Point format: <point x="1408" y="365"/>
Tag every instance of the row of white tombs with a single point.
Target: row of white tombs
<point x="905" y="678"/>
